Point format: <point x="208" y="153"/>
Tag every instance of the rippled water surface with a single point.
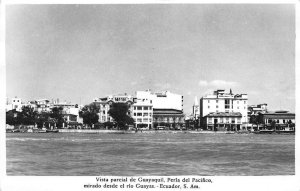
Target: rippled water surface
<point x="76" y="154"/>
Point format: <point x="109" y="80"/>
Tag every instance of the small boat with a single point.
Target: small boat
<point x="52" y="131"/>
<point x="266" y="131"/>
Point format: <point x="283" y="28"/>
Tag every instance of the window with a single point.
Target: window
<point x="244" y="102"/>
<point x="145" y="108"/>
<point x="269" y="120"/>
<point x="221" y="120"/>
<point x="209" y="120"/>
<point x="134" y="114"/>
<point x="217" y="106"/>
<point x="283" y="121"/>
<point x="227" y="103"/>
<point x="208" y="101"/>
<point x="139" y="108"/>
<point x="139" y="114"/>
<point x="134" y="108"/>
<point x="208" y="107"/>
<point x="139" y="120"/>
<point x="233" y="120"/>
<point x="145" y="114"/>
<point x="217" y="101"/>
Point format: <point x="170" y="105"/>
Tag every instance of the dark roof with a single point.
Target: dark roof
<point x="276" y="115"/>
<point x="223" y="114"/>
<point x="166" y="111"/>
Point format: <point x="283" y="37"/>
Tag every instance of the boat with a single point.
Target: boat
<point x="52" y="131"/>
<point x="265" y="131"/>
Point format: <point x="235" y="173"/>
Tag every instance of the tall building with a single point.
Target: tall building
<point x="143" y="113"/>
<point x="162" y="100"/>
<point x="167" y="108"/>
<point x="223" y="111"/>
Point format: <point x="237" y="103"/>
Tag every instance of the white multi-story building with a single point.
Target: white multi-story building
<point x="142" y="113"/>
<point x="224" y="108"/>
<point x="16" y="104"/>
<point x="162" y="100"/>
<point x="167" y="108"/>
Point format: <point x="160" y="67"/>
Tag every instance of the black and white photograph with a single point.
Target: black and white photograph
<point x="150" y="90"/>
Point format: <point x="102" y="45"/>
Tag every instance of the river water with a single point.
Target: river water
<point x="77" y="154"/>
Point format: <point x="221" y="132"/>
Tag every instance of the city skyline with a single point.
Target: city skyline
<point x="79" y="52"/>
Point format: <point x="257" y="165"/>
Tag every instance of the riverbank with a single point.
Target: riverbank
<point x="140" y="131"/>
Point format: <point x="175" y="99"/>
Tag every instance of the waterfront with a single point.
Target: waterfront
<point x="77" y="154"/>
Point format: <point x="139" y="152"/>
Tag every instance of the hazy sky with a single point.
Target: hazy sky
<point x="78" y="52"/>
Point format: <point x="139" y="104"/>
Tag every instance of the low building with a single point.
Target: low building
<point x="278" y="120"/>
<point x="168" y="119"/>
<point x="222" y="121"/>
<point x="254" y="110"/>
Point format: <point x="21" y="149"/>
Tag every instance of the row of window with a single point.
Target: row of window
<point x="143" y="120"/>
<point x="279" y="121"/>
<point x="224" y="120"/>
<point x="226" y="107"/>
<point x="142" y="108"/>
<point x="227" y="101"/>
<point x="142" y="114"/>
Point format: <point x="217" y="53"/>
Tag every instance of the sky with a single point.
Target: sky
<point x="79" y="52"/>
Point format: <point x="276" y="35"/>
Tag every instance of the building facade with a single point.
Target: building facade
<point x="278" y="120"/>
<point x="221" y="121"/>
<point x="148" y="109"/>
<point x="106" y="102"/>
<point x="167" y="108"/>
<point x="143" y="114"/>
<point x="168" y="119"/>
<point x="221" y="103"/>
<point x="162" y="100"/>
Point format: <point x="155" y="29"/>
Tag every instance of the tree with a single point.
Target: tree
<point x="42" y="118"/>
<point x="11" y="117"/>
<point x="89" y="113"/>
<point x="119" y="112"/>
<point x="57" y="116"/>
<point x="28" y="115"/>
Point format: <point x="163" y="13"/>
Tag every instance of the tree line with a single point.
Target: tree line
<point x="89" y="113"/>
